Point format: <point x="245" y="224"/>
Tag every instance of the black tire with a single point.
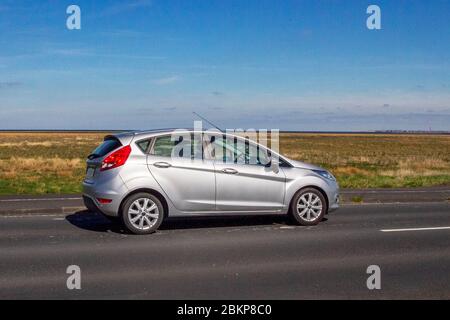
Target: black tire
<point x="131" y="203"/>
<point x="299" y="215"/>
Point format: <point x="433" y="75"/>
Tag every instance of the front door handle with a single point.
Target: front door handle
<point x="229" y="171"/>
<point x="162" y="164"/>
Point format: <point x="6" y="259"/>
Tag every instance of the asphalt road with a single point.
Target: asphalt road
<point x="232" y="258"/>
<point x="69" y="203"/>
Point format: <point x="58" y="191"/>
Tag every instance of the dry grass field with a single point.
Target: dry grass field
<point x="39" y="162"/>
<point x="373" y="160"/>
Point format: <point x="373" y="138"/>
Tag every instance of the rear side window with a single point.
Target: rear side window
<point x="106" y="147"/>
<point x="178" y="146"/>
<point x="163" y="146"/>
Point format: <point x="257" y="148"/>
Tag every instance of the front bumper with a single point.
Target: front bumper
<point x="333" y="196"/>
<point x="334" y="205"/>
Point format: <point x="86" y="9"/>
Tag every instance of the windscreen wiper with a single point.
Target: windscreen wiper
<point x="93" y="156"/>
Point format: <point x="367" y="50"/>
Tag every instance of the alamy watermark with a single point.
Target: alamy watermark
<point x="373" y="22"/>
<point x="237" y="146"/>
<point x="74" y="279"/>
<point x="374" y="280"/>
<point x="73" y="21"/>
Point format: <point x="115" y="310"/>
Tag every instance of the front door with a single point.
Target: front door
<point x="244" y="180"/>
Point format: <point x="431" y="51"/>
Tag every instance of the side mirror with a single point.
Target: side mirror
<point x="274" y="165"/>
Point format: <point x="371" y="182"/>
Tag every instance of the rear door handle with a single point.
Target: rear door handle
<point x="229" y="171"/>
<point x="162" y="164"/>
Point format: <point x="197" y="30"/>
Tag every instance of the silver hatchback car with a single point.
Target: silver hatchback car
<point x="140" y="178"/>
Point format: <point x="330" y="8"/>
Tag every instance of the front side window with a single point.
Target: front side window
<point x="234" y="150"/>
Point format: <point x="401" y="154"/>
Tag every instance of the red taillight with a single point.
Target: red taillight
<point x="104" y="201"/>
<point x="116" y="159"/>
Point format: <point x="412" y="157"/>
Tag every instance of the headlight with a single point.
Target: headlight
<point x="325" y="174"/>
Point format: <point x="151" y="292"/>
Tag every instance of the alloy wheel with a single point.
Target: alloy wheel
<point x="309" y="207"/>
<point x="143" y="213"/>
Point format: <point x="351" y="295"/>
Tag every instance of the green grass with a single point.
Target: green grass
<point x="357" y="199"/>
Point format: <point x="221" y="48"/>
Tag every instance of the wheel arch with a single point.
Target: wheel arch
<point x="310" y="187"/>
<point x="152" y="192"/>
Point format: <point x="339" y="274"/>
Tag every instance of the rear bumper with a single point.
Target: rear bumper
<point x="90" y="204"/>
<point x="92" y="192"/>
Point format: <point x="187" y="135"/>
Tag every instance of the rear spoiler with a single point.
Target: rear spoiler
<point x="124" y="138"/>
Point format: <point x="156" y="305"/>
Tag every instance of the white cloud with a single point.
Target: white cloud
<point x="167" y="80"/>
<point x="84" y="52"/>
<point x="127" y="6"/>
<point x="10" y="84"/>
<point x="69" y="52"/>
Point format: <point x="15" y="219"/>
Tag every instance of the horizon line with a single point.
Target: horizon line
<point x="390" y="131"/>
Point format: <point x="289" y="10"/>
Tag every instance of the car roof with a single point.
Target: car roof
<point x="159" y="131"/>
<point x="127" y="136"/>
<point x="154" y="132"/>
<point x="142" y="134"/>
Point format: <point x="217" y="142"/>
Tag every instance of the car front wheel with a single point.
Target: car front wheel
<point x="142" y="213"/>
<point x="308" y="207"/>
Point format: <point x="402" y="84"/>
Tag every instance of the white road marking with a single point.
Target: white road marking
<point x="362" y="204"/>
<point x="39" y="199"/>
<point x="32" y="215"/>
<point x="414" y="229"/>
<point x="394" y="191"/>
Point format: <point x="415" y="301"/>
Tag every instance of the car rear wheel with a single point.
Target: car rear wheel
<point x="142" y="213"/>
<point x="308" y="207"/>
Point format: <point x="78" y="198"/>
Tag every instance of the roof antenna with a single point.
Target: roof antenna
<point x="208" y="121"/>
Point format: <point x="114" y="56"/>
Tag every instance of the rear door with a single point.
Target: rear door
<point x="177" y="162"/>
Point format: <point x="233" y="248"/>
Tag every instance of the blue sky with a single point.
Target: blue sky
<point x="291" y="65"/>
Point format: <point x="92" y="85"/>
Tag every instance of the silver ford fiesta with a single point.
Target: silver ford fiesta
<point x="140" y="178"/>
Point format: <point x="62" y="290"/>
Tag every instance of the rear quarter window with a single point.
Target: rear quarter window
<point x="143" y="145"/>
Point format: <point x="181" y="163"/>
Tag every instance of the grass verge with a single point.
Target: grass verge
<point x="40" y="163"/>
